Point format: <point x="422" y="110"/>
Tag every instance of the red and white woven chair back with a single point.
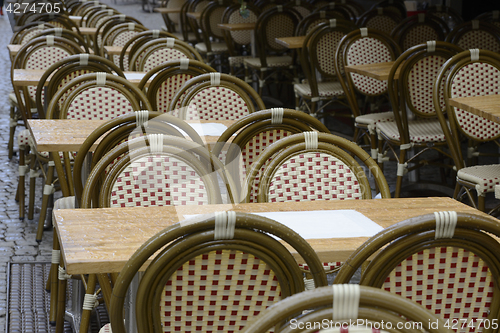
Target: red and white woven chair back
<point x="471" y="80"/>
<point x="420" y="82"/>
<point x="98" y="103"/>
<point x="160" y="56"/>
<point x="326" y="47"/>
<point x="240" y="287"/>
<point x="313" y="176"/>
<point x="168" y="89"/>
<point x="479" y="39"/>
<point x="419" y="34"/>
<point x="278" y="26"/>
<point x="216" y="103"/>
<point x="158" y="180"/>
<point x="314" y="24"/>
<point x="368" y="50"/>
<point x="120" y="40"/>
<point x="29" y="35"/>
<point x="451" y="282"/>
<point x="43" y="58"/>
<point x="70" y="77"/>
<point x="381" y="23"/>
<point x="252" y="150"/>
<point x="242" y="37"/>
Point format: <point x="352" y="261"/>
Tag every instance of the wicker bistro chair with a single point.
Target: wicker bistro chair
<point x="346" y="11"/>
<point x="396" y="6"/>
<point x="168" y="79"/>
<point x="256" y="131"/>
<point x="216" y="96"/>
<point x="322" y="86"/>
<point x="161" y="50"/>
<point x="271" y="58"/>
<point x="107" y="23"/>
<point x="476" y="34"/>
<point x="323" y="166"/>
<point x="464" y="75"/>
<point x="490" y="17"/>
<point x="99" y="16"/>
<point x="314" y="19"/>
<point x="136" y="41"/>
<point x="237" y="295"/>
<point x="380" y="19"/>
<point x="39" y="53"/>
<point x="302" y="7"/>
<point x="334" y="308"/>
<point x="119" y="35"/>
<point x="212" y="45"/>
<point x="446" y="261"/>
<point x="365" y="46"/>
<point x="447" y="14"/>
<point x="181" y="27"/>
<point x="239" y="42"/>
<point x="28" y="31"/>
<point x="65" y="33"/>
<point x="421" y="131"/>
<point x="419" y="29"/>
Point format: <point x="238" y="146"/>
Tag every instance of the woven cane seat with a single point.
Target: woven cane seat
<point x="216" y="47"/>
<point x="421" y="131"/>
<point x="279" y="61"/>
<point x="325" y="89"/>
<point x="484" y="176"/>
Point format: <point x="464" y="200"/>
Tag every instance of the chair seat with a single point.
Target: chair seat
<point x="421" y="131"/>
<point x="373" y="118"/>
<point x="238" y="60"/>
<point x="325" y="89"/>
<point x="106" y="329"/>
<point x="484" y="176"/>
<point x="280" y="61"/>
<point x="216" y="47"/>
<point x="13" y="100"/>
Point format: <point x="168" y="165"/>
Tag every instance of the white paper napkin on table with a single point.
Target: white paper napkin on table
<point x="344" y="223"/>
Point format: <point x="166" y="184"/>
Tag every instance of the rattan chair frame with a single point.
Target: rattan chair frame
<point x="108" y="23"/>
<point x="165" y="72"/>
<point x="95" y="17"/>
<point x="405" y="27"/>
<point x="18" y="37"/>
<point x="340" y="8"/>
<point x="331" y="142"/>
<point x="65" y="33"/>
<point x="447" y="14"/>
<point x="201" y="82"/>
<point x="172" y="21"/>
<point x="62" y="20"/>
<point x="247" y="223"/>
<point x="147" y="49"/>
<point x="490" y="17"/>
<point x="452" y="129"/>
<point x="399" y="241"/>
<point x="309" y="22"/>
<point x="460" y="30"/>
<point x="138" y="40"/>
<point x="368" y="17"/>
<point x="355" y="7"/>
<point x="397" y="6"/>
<point x="90" y="11"/>
<point x="210" y="32"/>
<point x="114" y="32"/>
<point x="316" y="305"/>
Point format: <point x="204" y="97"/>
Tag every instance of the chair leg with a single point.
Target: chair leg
<point x="22" y="173"/>
<point x="61" y="300"/>
<point x="481" y="202"/>
<point x="13" y="124"/>
<point x="47" y="192"/>
<point x="33" y="175"/>
<point x="400" y="173"/>
<point x="54" y="281"/>
<point x="88" y="306"/>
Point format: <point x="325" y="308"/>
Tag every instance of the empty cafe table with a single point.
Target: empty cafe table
<point x="379" y="71"/>
<point x="484" y="106"/>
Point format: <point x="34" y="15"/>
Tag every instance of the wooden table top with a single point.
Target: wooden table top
<point x="236" y="26"/>
<point x="69" y="134"/>
<point x="87" y="31"/>
<point x="379" y="71"/>
<point x="115" y="50"/>
<point x="485" y="106"/>
<point x="194" y="15"/>
<point x="164" y="10"/>
<point x="30" y="77"/>
<point x="102" y="240"/>
<point x="295" y="42"/>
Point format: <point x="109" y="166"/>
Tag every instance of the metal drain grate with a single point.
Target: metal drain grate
<point x="29" y="303"/>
